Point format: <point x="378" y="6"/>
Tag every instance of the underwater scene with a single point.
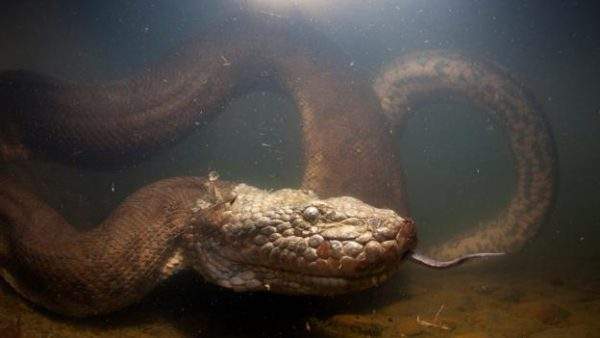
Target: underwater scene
<point x="286" y="168"/>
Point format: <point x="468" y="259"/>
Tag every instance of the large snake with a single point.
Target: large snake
<point x="234" y="235"/>
<point x="136" y="247"/>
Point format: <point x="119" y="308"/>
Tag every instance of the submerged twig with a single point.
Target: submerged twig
<point x="437" y="314"/>
<point x="435" y="323"/>
<point x="430" y="324"/>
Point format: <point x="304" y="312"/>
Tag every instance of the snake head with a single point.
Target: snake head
<point x="290" y="241"/>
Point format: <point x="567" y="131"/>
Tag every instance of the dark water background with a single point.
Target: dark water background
<point x="456" y="161"/>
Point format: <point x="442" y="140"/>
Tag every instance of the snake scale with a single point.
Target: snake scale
<point x="237" y="236"/>
<point x="240" y="237"/>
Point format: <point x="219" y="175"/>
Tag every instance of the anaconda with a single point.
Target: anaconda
<point x="237" y="236"/>
<point x="343" y="133"/>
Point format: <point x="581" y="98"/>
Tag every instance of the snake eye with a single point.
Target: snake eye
<point x="310" y="213"/>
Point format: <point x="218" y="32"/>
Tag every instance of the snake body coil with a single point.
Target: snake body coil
<point x="417" y="78"/>
<point x="286" y="241"/>
<point x="289" y="241"/>
<point x="121" y="120"/>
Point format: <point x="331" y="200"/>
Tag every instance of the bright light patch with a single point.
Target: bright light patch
<point x="316" y="9"/>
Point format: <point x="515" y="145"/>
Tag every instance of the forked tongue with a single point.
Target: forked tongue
<point x="432" y="263"/>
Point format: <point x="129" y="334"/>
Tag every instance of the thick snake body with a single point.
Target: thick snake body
<point x="113" y="122"/>
<point x="237" y="236"/>
<point x="73" y="272"/>
<point x="290" y="241"/>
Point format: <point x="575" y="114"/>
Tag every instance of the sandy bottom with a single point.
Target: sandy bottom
<point x="521" y="296"/>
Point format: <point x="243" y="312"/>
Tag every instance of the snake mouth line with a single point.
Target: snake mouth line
<point x="312" y="284"/>
<point x="356" y="276"/>
<point x="242" y="275"/>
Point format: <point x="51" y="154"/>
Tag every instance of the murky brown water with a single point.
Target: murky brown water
<point x="520" y="296"/>
<point x="552" y="289"/>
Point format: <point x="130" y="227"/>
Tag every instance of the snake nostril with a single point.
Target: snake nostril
<point x="384" y="233"/>
<point x="374" y="223"/>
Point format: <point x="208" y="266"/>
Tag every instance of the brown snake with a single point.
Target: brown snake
<point x="234" y="235"/>
<point x="160" y="229"/>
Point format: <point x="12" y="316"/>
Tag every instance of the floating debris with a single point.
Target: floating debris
<point x="435" y="322"/>
<point x="271" y="148"/>
<point x="226" y="62"/>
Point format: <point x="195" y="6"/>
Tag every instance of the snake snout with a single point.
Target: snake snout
<point x="391" y="237"/>
<point x="367" y="243"/>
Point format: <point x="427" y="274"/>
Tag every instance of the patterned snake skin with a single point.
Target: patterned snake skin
<point x="237" y="236"/>
<point x="287" y="241"/>
<point x="415" y="79"/>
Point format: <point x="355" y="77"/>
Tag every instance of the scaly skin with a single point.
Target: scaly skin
<point x="342" y="130"/>
<point x="415" y="79"/>
<point x="286" y="241"/>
